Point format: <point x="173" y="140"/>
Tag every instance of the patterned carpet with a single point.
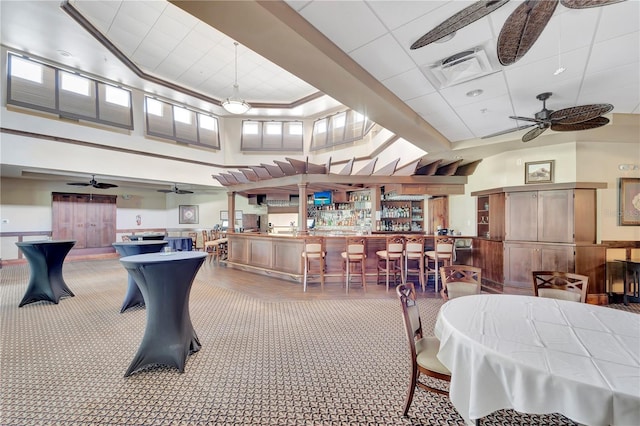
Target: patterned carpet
<point x="309" y="362"/>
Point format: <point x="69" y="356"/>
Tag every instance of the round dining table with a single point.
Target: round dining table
<point x="165" y="281"/>
<point x="45" y="258"/>
<point x="134" y="297"/>
<point x="538" y="355"/>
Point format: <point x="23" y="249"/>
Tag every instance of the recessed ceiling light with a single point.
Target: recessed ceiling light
<point x="475" y="93"/>
<point x="64" y="53"/>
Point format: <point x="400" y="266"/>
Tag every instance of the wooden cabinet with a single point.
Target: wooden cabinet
<point x="560" y="216"/>
<point x="520" y="259"/>
<point x="490" y="216"/>
<point x="487" y="255"/>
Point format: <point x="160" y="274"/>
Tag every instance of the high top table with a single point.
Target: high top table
<point x="134" y="297"/>
<point x="538" y="355"/>
<point x="45" y="259"/>
<point x="165" y="281"/>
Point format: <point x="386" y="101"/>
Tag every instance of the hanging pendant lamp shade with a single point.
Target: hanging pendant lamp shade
<point x="234" y="104"/>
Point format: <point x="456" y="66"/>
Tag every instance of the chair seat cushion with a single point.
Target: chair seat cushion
<point x="313" y="255"/>
<point x="357" y="256"/>
<point x="383" y="254"/>
<point x="555" y="293"/>
<point x="426" y="350"/>
<point x="432" y="255"/>
<point x="458" y="289"/>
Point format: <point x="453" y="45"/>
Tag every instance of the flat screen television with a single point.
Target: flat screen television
<point x="322" y="198"/>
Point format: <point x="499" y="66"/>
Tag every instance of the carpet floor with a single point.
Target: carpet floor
<point x="262" y="362"/>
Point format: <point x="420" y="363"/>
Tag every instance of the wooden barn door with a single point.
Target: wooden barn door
<point x="87" y="218"/>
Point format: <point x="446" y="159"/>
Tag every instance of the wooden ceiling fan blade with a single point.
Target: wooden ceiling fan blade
<point x="522" y="28"/>
<point x="585" y="125"/>
<point x="579" y="114"/>
<point x="78" y="183"/>
<point x="458" y="21"/>
<point x="183" y="191"/>
<point x="104" y="185"/>
<point x="533" y="133"/>
<point x="585" y="4"/>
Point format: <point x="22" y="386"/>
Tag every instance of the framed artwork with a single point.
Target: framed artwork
<point x="539" y="171"/>
<point x="629" y="200"/>
<point x="224" y="215"/>
<point x="188" y="214"/>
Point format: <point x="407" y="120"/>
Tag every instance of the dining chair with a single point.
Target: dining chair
<point x="355" y="254"/>
<point x="194" y="240"/>
<point x="313" y="254"/>
<point x="615" y="270"/>
<point x="442" y="253"/>
<point x="422" y="349"/>
<point x="390" y="260"/>
<point x="560" y="285"/>
<point x="414" y="259"/>
<point x="460" y="280"/>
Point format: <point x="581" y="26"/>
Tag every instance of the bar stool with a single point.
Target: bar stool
<point x="390" y="260"/>
<point x="356" y="253"/>
<point x="443" y="253"/>
<point x="414" y="259"/>
<point x="313" y="253"/>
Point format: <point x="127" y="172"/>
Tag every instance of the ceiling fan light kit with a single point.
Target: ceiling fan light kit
<point x="234" y="104"/>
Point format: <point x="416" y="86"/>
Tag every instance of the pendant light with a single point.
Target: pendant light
<point x="234" y="104"/>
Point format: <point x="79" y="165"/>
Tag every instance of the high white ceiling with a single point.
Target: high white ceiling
<point x="356" y="52"/>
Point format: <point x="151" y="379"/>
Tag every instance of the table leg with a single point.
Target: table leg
<point x="133" y="297"/>
<point x="46" y="281"/>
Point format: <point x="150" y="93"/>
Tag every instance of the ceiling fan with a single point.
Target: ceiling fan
<point x="175" y="190"/>
<point x="582" y="117"/>
<point x="519" y="32"/>
<point x="94" y="183"/>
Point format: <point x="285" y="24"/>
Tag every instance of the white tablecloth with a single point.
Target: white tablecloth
<point x="539" y="355"/>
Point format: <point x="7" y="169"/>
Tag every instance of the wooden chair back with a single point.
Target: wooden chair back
<point x="419" y="345"/>
<point x="194" y="240"/>
<point x="560" y="285"/>
<point x="460" y="280"/>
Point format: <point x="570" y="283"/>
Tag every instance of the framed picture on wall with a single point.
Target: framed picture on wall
<point x="629" y="201"/>
<point x="224" y="215"/>
<point x="539" y="171"/>
<point x="238" y="215"/>
<point x="188" y="214"/>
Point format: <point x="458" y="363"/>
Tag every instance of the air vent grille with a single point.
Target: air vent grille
<point x="459" y="67"/>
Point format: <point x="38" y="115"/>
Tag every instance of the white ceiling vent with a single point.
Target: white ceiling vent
<point x="458" y="68"/>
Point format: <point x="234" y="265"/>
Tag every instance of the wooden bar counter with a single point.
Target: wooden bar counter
<point x="280" y="254"/>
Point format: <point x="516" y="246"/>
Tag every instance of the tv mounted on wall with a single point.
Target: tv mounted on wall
<point x="322" y="198"/>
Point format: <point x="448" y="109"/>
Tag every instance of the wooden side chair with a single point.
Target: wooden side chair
<point x="560" y="285"/>
<point x="414" y="258"/>
<point x="460" y="280"/>
<point x="422" y="349"/>
<point x="313" y="258"/>
<point x="355" y="253"/>
<point x="390" y="260"/>
<point x="442" y="253"/>
<point x="194" y="240"/>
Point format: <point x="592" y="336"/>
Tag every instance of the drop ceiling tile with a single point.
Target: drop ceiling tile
<point x="100" y="13"/>
<point x="618" y="19"/>
<point x="383" y="58"/>
<point x="144" y="13"/>
<point x="619" y="86"/>
<point x="492" y="86"/>
<point x="615" y="52"/>
<point x="488" y="116"/>
<point x="409" y="84"/>
<point x="396" y="13"/>
<point x="349" y="27"/>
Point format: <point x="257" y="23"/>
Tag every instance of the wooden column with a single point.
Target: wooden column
<point x="302" y="209"/>
<point x="231" y="205"/>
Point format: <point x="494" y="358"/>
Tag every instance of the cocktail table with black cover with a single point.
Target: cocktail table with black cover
<point x="129" y="248"/>
<point x="45" y="259"/>
<point x="165" y="282"/>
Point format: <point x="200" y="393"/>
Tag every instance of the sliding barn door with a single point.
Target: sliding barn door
<point x="89" y="219"/>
